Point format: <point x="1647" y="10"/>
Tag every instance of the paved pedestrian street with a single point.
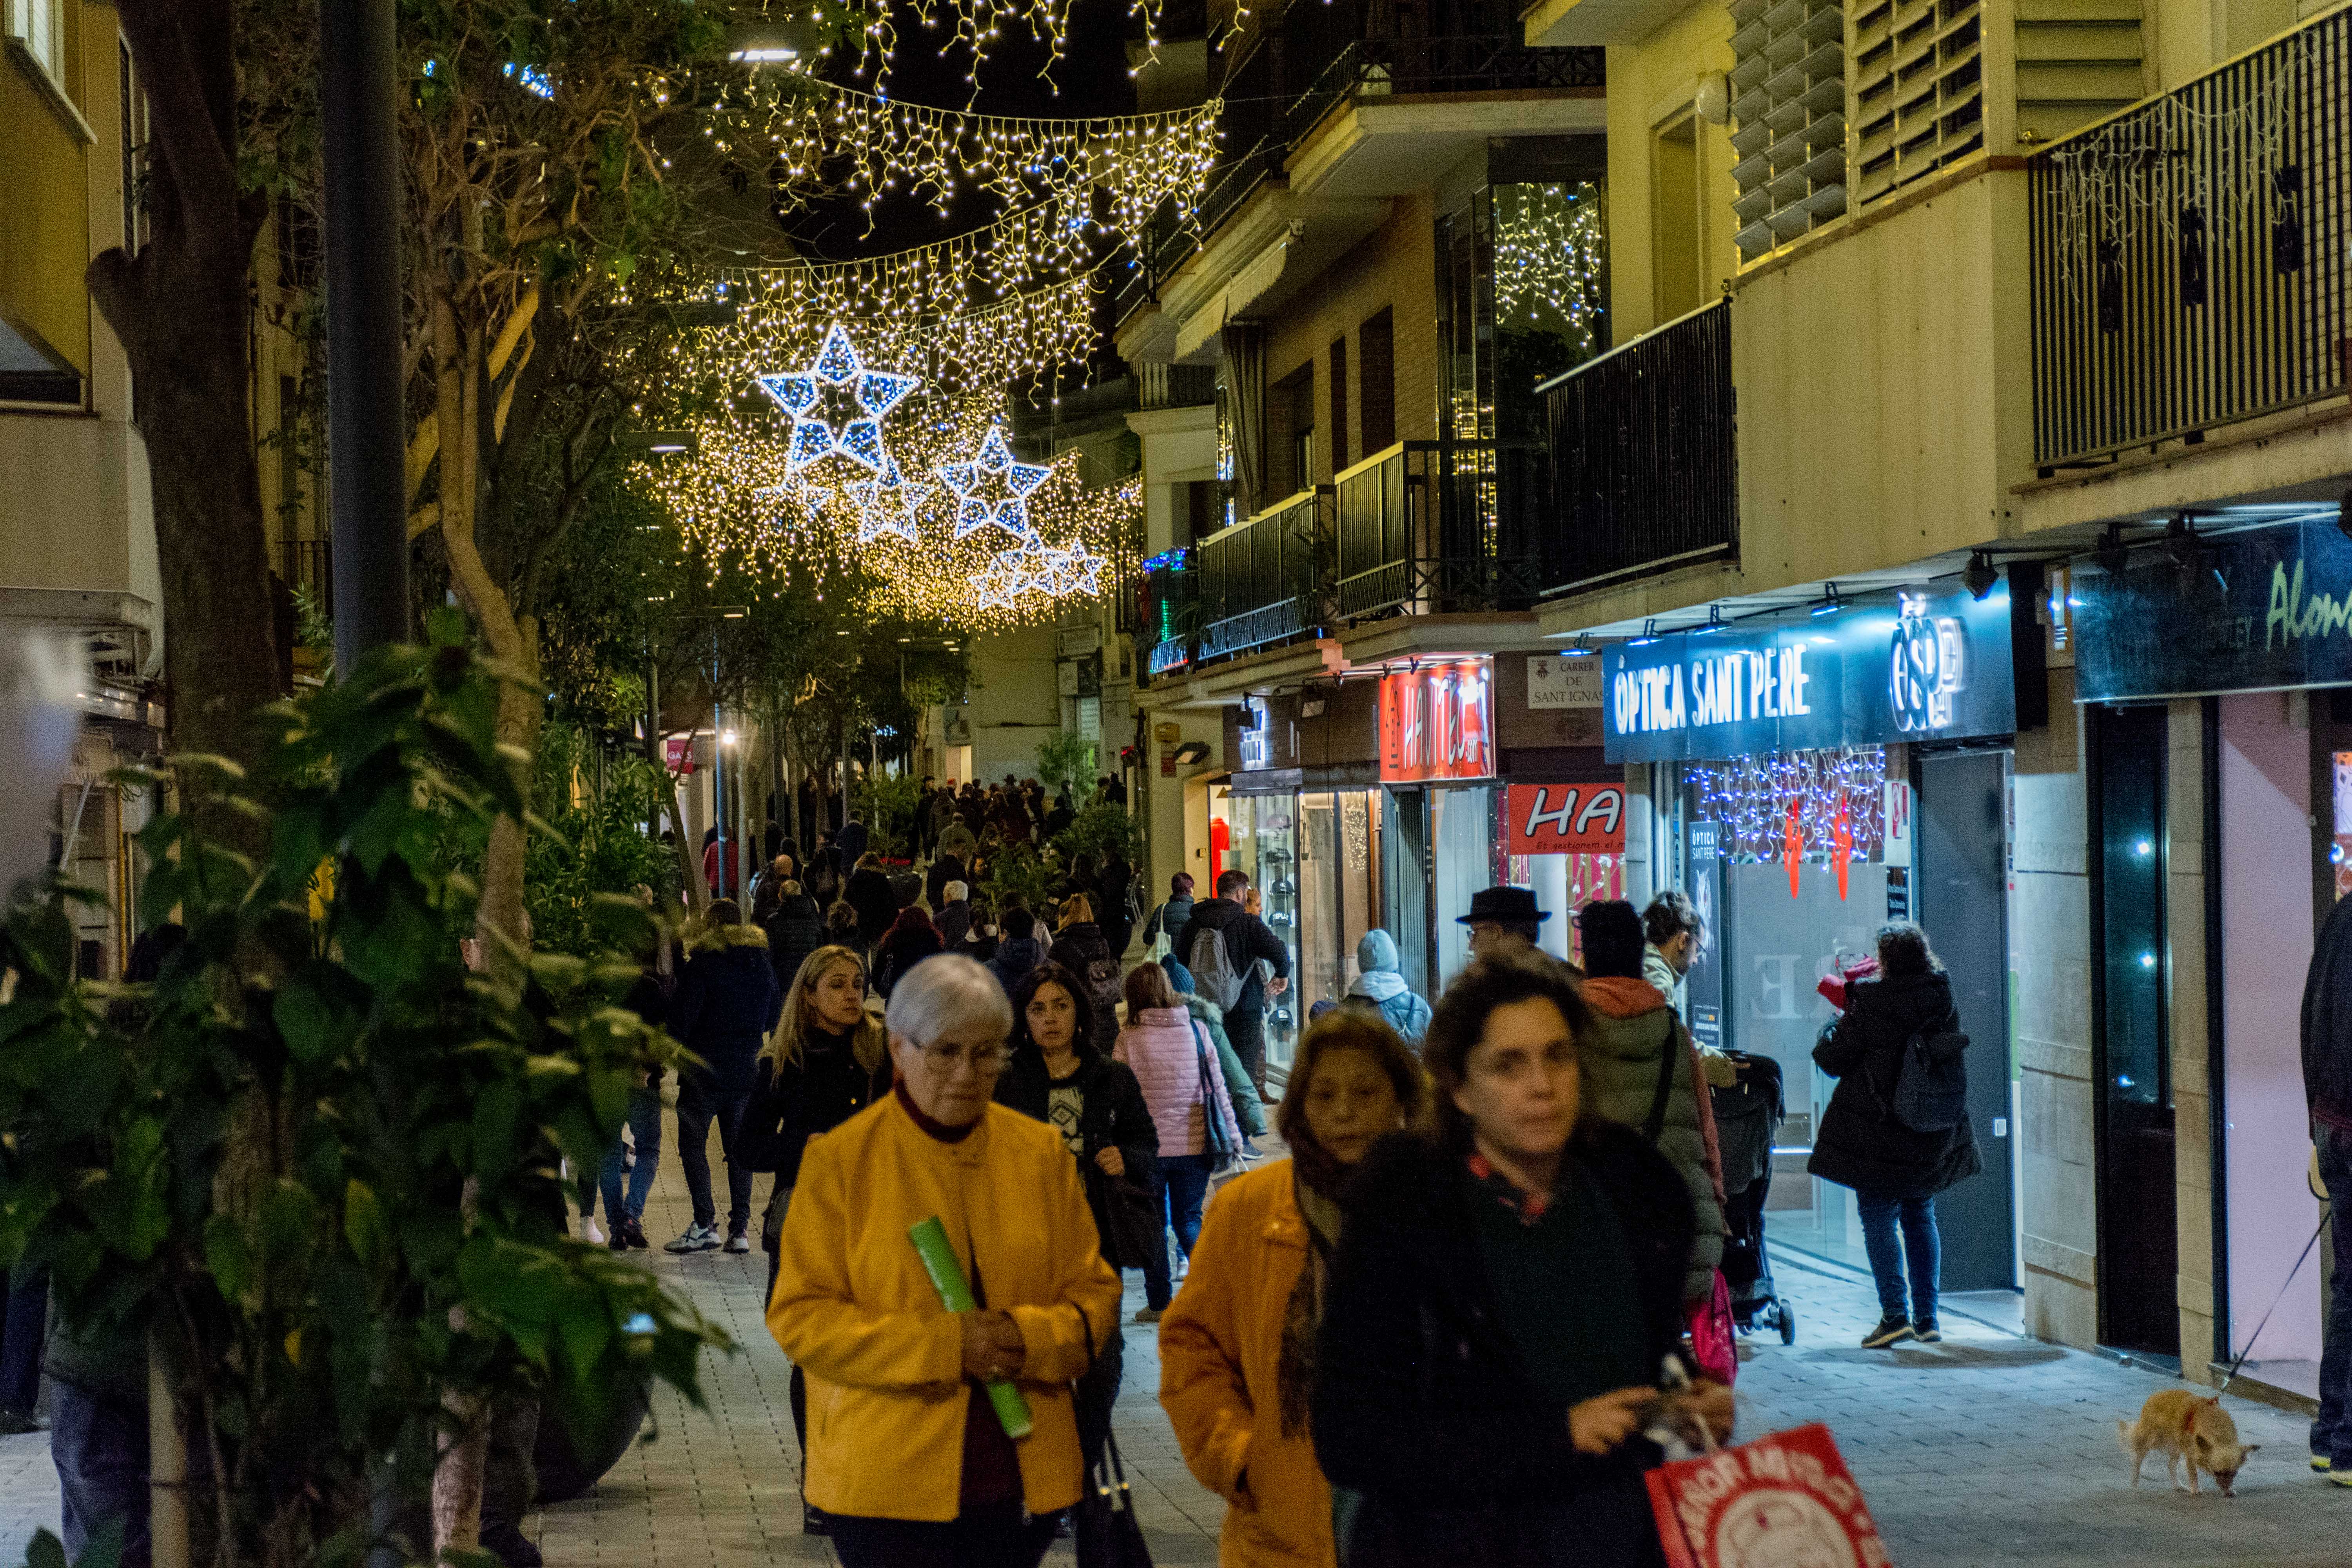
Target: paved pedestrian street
<point x="1986" y="1450"/>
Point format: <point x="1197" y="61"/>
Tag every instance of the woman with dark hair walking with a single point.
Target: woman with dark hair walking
<point x="911" y="938"/>
<point x="1237" y="1348"/>
<point x="1056" y="1074"/>
<point x="1502" y="1303"/>
<point x="1894" y="1170"/>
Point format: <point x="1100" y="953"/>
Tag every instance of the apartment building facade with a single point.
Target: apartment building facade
<point x="1962" y="399"/>
<point x="77" y="528"/>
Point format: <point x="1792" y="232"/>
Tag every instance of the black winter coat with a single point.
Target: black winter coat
<point x="2328" y="1021"/>
<point x="1114" y="1117"/>
<point x="900" y="952"/>
<point x="1085" y="951"/>
<point x="868" y="892"/>
<point x="1423" y="1402"/>
<point x="727" y="1002"/>
<point x="1859" y="1144"/>
<point x="1247" y="938"/>
<point x="945" y="869"/>
<point x="794" y="931"/>
<point x="794" y="1103"/>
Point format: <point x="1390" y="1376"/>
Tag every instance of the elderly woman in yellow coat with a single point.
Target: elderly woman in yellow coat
<point x="1237" y="1348"/>
<point x="906" y="1454"/>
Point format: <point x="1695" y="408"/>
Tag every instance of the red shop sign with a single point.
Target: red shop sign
<point x="678" y="750"/>
<point x="1567" y="819"/>
<point x="1437" y="723"/>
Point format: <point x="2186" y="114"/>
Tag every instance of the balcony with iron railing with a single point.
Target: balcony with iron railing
<point x="1439" y="527"/>
<point x="1320" y="55"/>
<point x="2192" y="255"/>
<point x="1644" y="476"/>
<point x="1261" y="581"/>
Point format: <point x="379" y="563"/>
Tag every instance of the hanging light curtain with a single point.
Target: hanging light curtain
<point x="1240" y="348"/>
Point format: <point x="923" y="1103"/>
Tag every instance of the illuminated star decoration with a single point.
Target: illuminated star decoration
<point x="990" y="488"/>
<point x="837" y="405"/>
<point x="795" y="494"/>
<point x="887" y="504"/>
<point x="1000" y="585"/>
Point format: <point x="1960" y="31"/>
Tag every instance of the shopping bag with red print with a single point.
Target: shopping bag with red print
<point x="1711" y="1335"/>
<point x="1782" y="1501"/>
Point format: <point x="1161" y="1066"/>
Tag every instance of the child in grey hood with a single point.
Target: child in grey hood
<point x="1382" y="984"/>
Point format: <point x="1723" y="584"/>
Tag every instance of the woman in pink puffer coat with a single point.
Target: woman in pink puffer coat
<point x="1165" y="1049"/>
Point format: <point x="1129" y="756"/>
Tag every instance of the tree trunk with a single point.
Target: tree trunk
<point x="180" y="307"/>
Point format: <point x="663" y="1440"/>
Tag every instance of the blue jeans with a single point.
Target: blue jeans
<point x="2331" y="1434"/>
<point x="99" y="1450"/>
<point x="1187" y="1180"/>
<point x="644" y="1126"/>
<point x="22" y="1321"/>
<point x="1919" y="1245"/>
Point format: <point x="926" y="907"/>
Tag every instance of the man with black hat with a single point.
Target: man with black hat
<point x="1503" y="919"/>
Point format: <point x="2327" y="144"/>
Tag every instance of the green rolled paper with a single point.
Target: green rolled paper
<point x="930" y="1239"/>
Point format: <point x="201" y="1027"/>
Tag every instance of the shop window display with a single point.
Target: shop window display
<point x="1263" y="847"/>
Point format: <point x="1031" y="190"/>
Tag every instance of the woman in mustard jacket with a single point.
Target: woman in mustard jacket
<point x="905" y="1452"/>
<point x="1237" y="1348"/>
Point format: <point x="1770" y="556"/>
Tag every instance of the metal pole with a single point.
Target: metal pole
<point x="366" y="438"/>
<point x="718" y="766"/>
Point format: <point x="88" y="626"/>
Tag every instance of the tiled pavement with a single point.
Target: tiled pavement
<point x="1986" y="1450"/>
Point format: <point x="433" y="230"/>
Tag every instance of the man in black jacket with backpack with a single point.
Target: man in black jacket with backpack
<point x="1231" y="978"/>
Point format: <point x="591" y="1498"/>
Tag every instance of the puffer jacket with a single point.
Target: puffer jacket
<point x="856" y="1310"/>
<point x="1249" y="1110"/>
<point x="1163" y="1050"/>
<point x="794" y="931"/>
<point x="1219" y="1346"/>
<point x="1859" y="1144"/>
<point x="1619" y="1057"/>
<point x="727" y="1002"/>
<point x="1015" y="957"/>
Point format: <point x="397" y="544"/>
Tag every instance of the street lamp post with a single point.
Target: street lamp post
<point x="367" y="444"/>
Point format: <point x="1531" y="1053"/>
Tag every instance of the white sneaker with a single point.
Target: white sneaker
<point x="589" y="1232"/>
<point x="739" y="1242"/>
<point x="696" y="1238"/>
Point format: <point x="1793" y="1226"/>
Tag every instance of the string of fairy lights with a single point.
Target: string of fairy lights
<point x="1809" y="804"/>
<point x="1551" y="257"/>
<point x="880" y="145"/>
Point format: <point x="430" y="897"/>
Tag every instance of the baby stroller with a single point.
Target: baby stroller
<point x="1746" y="1114"/>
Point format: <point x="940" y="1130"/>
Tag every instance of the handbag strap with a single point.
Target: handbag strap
<point x="1656" y="1123"/>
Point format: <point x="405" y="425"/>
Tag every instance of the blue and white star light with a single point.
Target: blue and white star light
<point x="991" y="489"/>
<point x="888" y="503"/>
<point x="837" y="405"/>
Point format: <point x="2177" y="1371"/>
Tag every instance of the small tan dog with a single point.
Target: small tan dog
<point x="2184" y="1425"/>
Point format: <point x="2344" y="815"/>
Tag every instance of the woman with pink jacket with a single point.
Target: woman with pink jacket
<point x="1172" y="1059"/>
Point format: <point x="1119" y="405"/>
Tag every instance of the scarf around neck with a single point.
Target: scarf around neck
<point x="1302" y="1319"/>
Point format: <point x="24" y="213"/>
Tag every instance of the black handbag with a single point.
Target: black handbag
<point x="1103" y="1524"/>
<point x="1135" y="1216"/>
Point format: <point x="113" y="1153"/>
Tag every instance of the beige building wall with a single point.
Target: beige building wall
<point x="2192" y="1126"/>
<point x="2050" y="1024"/>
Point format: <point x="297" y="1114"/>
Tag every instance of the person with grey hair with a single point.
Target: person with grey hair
<point x="911" y="1464"/>
<point x="954" y="917"/>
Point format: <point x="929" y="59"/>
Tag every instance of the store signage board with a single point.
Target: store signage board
<point x="1567" y="819"/>
<point x="2267" y="609"/>
<point x="1437" y="723"/>
<point x="677" y="752"/>
<point x="1556" y="682"/>
<point x="1918" y="665"/>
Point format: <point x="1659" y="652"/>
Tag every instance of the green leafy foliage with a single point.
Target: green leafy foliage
<point x="1100" y="826"/>
<point x="888" y="804"/>
<point x="315" y="1163"/>
<point x="580" y="876"/>
<point x="1065" y="760"/>
<point x="1019" y="872"/>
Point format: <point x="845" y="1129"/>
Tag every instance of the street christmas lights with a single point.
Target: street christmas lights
<point x="837" y="386"/>
<point x="990" y="488"/>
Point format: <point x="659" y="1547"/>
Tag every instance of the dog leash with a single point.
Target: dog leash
<point x="2215" y="1399"/>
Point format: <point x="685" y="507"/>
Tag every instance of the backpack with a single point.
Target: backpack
<point x="1107" y="986"/>
<point x="1213" y="974"/>
<point x="1931" y="1088"/>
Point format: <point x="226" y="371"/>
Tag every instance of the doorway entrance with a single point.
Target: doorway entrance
<point x="2139" y="1252"/>
<point x="1960" y="888"/>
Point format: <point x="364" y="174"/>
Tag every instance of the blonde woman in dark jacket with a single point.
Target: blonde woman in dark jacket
<point x="827" y="1060"/>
